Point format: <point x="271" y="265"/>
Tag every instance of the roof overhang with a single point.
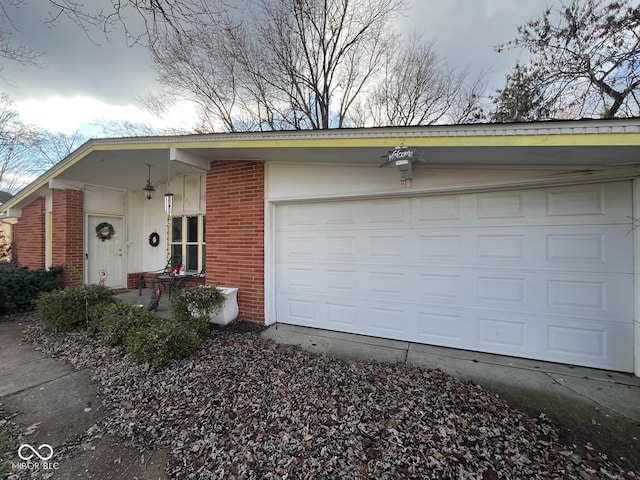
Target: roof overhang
<point x="122" y="162"/>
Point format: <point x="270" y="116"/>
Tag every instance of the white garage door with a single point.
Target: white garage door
<point x="541" y="273"/>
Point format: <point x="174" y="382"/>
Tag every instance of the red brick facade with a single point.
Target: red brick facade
<point x="68" y="228"/>
<point x="29" y="235"/>
<point x="235" y="232"/>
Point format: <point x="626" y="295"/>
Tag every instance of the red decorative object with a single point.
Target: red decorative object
<point x="104" y="231"/>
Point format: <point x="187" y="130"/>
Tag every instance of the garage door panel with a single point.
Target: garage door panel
<point x="590" y="248"/>
<point x="504" y="205"/>
<point x="575" y="205"/>
<point x="300" y="310"/>
<point x="436" y="210"/>
<point x="389" y="213"/>
<point x="599" y="248"/>
<point x="591" y="295"/>
<point x="598" y="345"/>
<point x="387" y="319"/>
<point x="565" y="339"/>
<point x="543" y="273"/>
<point x="572" y="201"/>
<point x="299" y="247"/>
<point x="439" y="326"/>
<point x="341" y="314"/>
<point x="503" y="332"/>
<point x="482" y="330"/>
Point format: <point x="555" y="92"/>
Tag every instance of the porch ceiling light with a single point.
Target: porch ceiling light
<point x="149" y="188"/>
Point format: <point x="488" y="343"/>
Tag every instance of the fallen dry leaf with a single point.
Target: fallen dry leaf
<point x="92" y="429"/>
<point x="215" y="415"/>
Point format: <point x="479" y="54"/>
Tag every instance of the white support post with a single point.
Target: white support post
<point x="636" y="275"/>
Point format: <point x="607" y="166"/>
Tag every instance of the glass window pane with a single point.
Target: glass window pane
<point x="192" y="257"/>
<point x="176" y="229"/>
<point x="192" y="229"/>
<point x="204" y="230"/>
<point x="204" y="257"/>
<point x="176" y="255"/>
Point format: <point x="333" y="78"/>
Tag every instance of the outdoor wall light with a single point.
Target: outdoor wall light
<point x="406" y="169"/>
<point x="403" y="158"/>
<point x="149" y="188"/>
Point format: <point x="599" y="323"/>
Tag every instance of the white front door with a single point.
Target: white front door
<point x="543" y="273"/>
<point x="105" y="256"/>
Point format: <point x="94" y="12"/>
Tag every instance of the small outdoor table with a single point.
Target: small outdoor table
<point x="170" y="282"/>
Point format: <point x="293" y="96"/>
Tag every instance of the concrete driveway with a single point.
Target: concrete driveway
<point x="52" y="404"/>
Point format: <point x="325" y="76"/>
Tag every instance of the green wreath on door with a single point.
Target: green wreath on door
<point x="104" y="231"/>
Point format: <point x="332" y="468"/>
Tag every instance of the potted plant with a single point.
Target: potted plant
<point x="197" y="305"/>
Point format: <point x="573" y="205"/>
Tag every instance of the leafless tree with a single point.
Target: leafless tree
<point x="199" y="67"/>
<point x="418" y="87"/>
<point x="469" y="104"/>
<point x="291" y="64"/>
<point x="16" y="139"/>
<point x="585" y="58"/>
<point x="141" y="20"/>
<point x="284" y="64"/>
<point x="124" y="128"/>
<point x="48" y="148"/>
<point x="10" y="48"/>
<point x="26" y="152"/>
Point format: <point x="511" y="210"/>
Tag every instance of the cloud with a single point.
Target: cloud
<point x="66" y="115"/>
<point x="63" y="114"/>
<point x="467" y="30"/>
<point x="74" y="64"/>
<point x="83" y="79"/>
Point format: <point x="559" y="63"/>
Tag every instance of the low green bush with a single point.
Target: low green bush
<point x="192" y="305"/>
<point x="161" y="343"/>
<point x="73" y="306"/>
<point x="20" y="287"/>
<point x="147" y="336"/>
<point x="118" y="319"/>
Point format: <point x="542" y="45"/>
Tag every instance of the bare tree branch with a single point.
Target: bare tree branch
<point x="10" y="48"/>
<point x="417" y="87"/>
<point x="285" y="64"/>
<point x="585" y="55"/>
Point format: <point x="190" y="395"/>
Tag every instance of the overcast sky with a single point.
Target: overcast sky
<point x="81" y="81"/>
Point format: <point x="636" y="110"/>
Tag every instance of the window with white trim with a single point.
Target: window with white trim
<point x="188" y="245"/>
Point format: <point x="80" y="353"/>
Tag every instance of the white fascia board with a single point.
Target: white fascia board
<point x="13" y="213"/>
<point x="61" y="185"/>
<point x="187" y="158"/>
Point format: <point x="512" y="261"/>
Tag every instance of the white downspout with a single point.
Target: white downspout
<point x="636" y="275"/>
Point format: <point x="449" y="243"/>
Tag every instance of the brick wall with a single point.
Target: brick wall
<point x="235" y="232"/>
<point x="29" y="235"/>
<point x="132" y="280"/>
<point x="68" y="229"/>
